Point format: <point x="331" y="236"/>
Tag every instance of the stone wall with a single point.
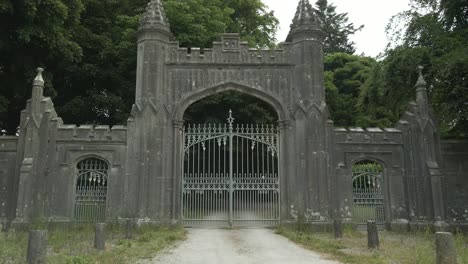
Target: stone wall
<point x="8" y="179"/>
<point x="383" y="146"/>
<point x="73" y="144"/>
<point x="455" y="166"/>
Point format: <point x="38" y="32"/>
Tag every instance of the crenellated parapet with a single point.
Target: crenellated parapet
<point x="103" y="134"/>
<point x="368" y="136"/>
<point x="230" y="50"/>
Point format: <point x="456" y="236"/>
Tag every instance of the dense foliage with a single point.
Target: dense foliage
<point x="434" y="35"/>
<point x="246" y="110"/>
<point x="88" y="48"/>
<point x="345" y="74"/>
<point x="33" y="33"/>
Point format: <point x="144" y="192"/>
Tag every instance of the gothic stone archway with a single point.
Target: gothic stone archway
<point x="170" y="78"/>
<point x="146" y="164"/>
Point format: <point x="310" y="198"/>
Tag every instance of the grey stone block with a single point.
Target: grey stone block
<point x="445" y="248"/>
<point x="100" y="236"/>
<point x="372" y="235"/>
<point x="37" y="247"/>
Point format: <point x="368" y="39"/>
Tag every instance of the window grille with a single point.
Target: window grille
<point x="368" y="195"/>
<point x="91" y="190"/>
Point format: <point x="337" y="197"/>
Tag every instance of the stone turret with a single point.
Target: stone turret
<point x="153" y="36"/>
<point x="150" y="122"/>
<point x="37" y="120"/>
<point x="310" y="112"/>
<point x="307" y="39"/>
<point x="420" y="129"/>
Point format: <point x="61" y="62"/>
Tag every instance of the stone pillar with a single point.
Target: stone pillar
<point x="152" y="148"/>
<point x="287" y="184"/>
<point x="310" y="115"/>
<point x="28" y="147"/>
<point x="100" y="236"/>
<point x="178" y="129"/>
<point x="445" y="248"/>
<point x="372" y="235"/>
<point x="37" y="247"/>
<point x="425" y="189"/>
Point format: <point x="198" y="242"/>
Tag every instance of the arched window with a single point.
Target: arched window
<point x="91" y="190"/>
<point x="368" y="195"/>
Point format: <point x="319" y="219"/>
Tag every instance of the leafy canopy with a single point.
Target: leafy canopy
<point x="337" y="29"/>
<point x="434" y="35"/>
<point x="88" y="48"/>
<point x="33" y="33"/>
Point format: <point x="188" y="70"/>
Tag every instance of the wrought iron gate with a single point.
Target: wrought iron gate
<point x="91" y="190"/>
<point x="368" y="194"/>
<point x="230" y="175"/>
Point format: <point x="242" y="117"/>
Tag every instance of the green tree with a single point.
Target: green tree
<point x="345" y="75"/>
<point x="100" y="88"/>
<point x="372" y="101"/>
<point x="246" y="110"/>
<point x="435" y="35"/>
<point x="197" y="23"/>
<point x="253" y="22"/>
<point x="33" y="33"/>
<point x="337" y="29"/>
<point x="88" y="48"/>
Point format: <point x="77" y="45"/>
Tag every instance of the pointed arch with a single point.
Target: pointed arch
<point x="190" y="98"/>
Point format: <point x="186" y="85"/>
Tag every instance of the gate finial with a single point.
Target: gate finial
<point x="230" y="119"/>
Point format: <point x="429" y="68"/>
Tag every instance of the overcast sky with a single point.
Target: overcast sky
<point x="373" y="14"/>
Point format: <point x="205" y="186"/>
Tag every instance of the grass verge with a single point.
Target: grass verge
<point x="74" y="245"/>
<point x="395" y="248"/>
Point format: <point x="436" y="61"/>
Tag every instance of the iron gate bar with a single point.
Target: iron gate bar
<point x="91" y="190"/>
<point x="243" y="186"/>
<point x="368" y="197"/>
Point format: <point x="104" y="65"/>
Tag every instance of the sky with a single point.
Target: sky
<point x="373" y="14"/>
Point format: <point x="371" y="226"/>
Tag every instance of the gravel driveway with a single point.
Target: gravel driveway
<point x="245" y="246"/>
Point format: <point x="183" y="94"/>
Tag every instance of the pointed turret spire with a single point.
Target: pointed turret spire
<point x="38" y="85"/>
<point x="421" y="83"/>
<point x="306" y="15"/>
<point x="39" y="80"/>
<point x="421" y="94"/>
<point x="154" y="17"/>
<point x="306" y="20"/>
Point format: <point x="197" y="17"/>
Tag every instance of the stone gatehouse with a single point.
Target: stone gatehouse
<point x="59" y="172"/>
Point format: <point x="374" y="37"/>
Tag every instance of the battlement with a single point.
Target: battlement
<point x="229" y="50"/>
<point x="368" y="136"/>
<point x="8" y="143"/>
<point x="92" y="133"/>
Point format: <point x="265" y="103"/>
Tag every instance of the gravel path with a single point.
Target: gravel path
<point x="245" y="246"/>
